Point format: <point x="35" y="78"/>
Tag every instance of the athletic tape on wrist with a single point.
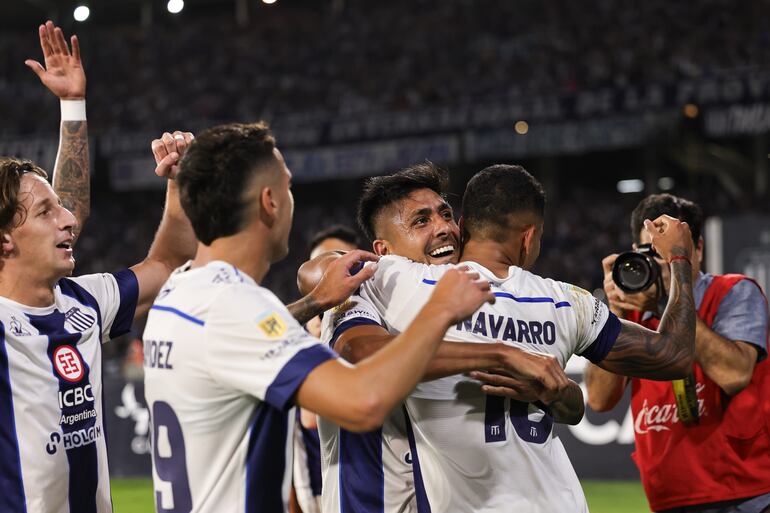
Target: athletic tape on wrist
<point x="73" y="110"/>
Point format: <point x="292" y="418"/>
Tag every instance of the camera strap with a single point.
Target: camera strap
<point x="686" y="399"/>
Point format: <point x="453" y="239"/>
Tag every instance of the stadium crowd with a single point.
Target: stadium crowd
<point x="373" y="57"/>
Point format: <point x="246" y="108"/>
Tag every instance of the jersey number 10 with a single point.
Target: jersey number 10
<point x="528" y="430"/>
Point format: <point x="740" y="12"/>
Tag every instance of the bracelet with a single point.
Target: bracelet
<point x="679" y="257"/>
<point x="73" y="110"/>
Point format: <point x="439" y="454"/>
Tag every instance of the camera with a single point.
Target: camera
<point x="635" y="271"/>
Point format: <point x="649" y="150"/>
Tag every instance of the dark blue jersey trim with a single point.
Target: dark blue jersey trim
<point x="293" y="374"/>
<point x="597" y="351"/>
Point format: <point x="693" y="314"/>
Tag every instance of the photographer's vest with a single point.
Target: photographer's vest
<point x="726" y="455"/>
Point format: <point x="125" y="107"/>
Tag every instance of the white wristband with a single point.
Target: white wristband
<point x="73" y="110"/>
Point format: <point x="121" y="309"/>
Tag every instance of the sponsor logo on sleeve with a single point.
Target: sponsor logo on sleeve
<point x="343" y="307"/>
<point x="271" y="325"/>
<point x="68" y="364"/>
<point x="597" y="311"/>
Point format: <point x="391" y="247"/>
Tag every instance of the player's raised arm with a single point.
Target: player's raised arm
<point x="341" y="275"/>
<point x="669" y="352"/>
<point x="62" y="73"/>
<point x="174" y="241"/>
<point x="376" y="385"/>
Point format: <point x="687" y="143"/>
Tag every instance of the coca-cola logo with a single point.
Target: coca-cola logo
<point x="660" y="417"/>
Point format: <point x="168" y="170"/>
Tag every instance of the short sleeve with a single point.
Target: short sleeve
<point x="743" y="316"/>
<point x="400" y="288"/>
<point x="355" y="311"/>
<point x="597" y="327"/>
<point x="114" y="296"/>
<point x="255" y="346"/>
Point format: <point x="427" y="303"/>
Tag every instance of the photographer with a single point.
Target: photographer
<point x="702" y="444"/>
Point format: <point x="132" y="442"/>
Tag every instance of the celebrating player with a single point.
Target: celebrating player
<point x="54" y="456"/>
<point x="473" y="452"/>
<point x="406" y="214"/>
<point x="228" y="359"/>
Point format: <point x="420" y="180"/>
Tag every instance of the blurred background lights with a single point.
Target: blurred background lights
<point x="521" y="127"/>
<point x="175" y="6"/>
<point x="82" y="13"/>
<point x="630" y="186"/>
<point x="665" y="183"/>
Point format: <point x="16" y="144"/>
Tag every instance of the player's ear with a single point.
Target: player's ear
<point x="529" y="239"/>
<point x="268" y="206"/>
<point x="461" y="226"/>
<point x="7" y="244"/>
<point x="380" y="247"/>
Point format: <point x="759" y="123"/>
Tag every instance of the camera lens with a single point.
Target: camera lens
<point x="634" y="272"/>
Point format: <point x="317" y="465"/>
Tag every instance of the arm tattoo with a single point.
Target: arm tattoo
<point x="305" y="309"/>
<point x="664" y="354"/>
<point x="71" y="177"/>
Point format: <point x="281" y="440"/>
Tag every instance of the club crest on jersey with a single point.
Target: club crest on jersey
<point x="78" y="320"/>
<point x="68" y="363"/>
<point x="271" y="325"/>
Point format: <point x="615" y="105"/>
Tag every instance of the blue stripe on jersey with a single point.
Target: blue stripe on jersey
<point x="11" y="484"/>
<point x="560" y="304"/>
<point x="180" y="313"/>
<point x="362" y="478"/>
<point x="294" y="372"/>
<point x="423" y="506"/>
<point x="599" y="348"/>
<point x="313" y="454"/>
<point x="266" y="460"/>
<point x="350" y="323"/>
<point x="82" y="459"/>
<point x="128" y="287"/>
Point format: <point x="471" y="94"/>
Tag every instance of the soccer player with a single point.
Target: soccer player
<point x="472" y="452"/>
<point x="53" y="454"/>
<point x="307" y="449"/>
<point x="227" y="359"/>
<point x="406" y="214"/>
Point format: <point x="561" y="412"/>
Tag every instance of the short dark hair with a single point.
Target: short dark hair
<point x="656" y="205"/>
<point x="217" y="171"/>
<point x="496" y="192"/>
<point x="336" y="231"/>
<point x="11" y="171"/>
<point x="382" y="191"/>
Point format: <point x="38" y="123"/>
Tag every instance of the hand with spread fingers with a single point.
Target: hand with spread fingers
<point x="168" y="151"/>
<point x="343" y="276"/>
<point x="63" y="72"/>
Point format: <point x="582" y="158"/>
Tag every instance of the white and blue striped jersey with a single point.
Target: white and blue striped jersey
<point x="53" y="454"/>
<point x="477" y="453"/>
<point x="223" y="361"/>
<point x="364" y="472"/>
